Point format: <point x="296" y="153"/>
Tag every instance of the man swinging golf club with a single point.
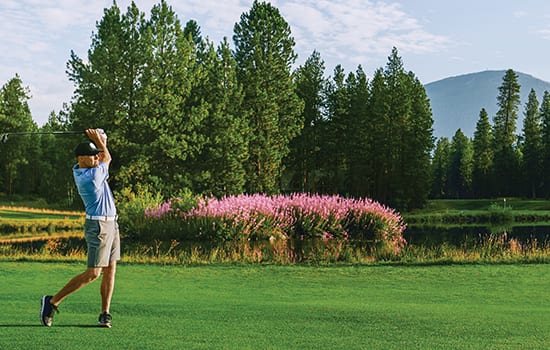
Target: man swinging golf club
<point x="100" y="228"/>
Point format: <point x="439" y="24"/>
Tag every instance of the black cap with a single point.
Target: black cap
<point x="86" y="149"/>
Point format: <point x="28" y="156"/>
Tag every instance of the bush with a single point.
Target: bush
<point x="131" y="207"/>
<point x="295" y="217"/>
<point x="498" y="214"/>
<point x="145" y="216"/>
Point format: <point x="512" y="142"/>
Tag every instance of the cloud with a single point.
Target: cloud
<point x="544" y="33"/>
<point x="352" y="32"/>
<point x="216" y="18"/>
<point x="38" y="35"/>
<point x="520" y="14"/>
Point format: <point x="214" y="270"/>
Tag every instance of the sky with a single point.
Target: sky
<point x="436" y="39"/>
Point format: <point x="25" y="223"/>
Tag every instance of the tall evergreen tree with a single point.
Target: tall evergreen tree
<point x="482" y="157"/>
<point x="304" y="160"/>
<point x="440" y="168"/>
<point x="16" y="158"/>
<point x="359" y="147"/>
<point x="545" y="142"/>
<point x="127" y="138"/>
<point x="336" y="161"/>
<point x="226" y="130"/>
<point x="264" y="52"/>
<point x="108" y="88"/>
<point x="532" y="146"/>
<point x="380" y="150"/>
<point x="171" y="116"/>
<point x="409" y="137"/>
<point x="399" y="104"/>
<point x="418" y="144"/>
<point x="58" y="185"/>
<point x="192" y="31"/>
<point x="505" y="170"/>
<point x="460" y="166"/>
<point x="136" y="84"/>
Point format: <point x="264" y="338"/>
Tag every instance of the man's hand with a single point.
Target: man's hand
<point x="102" y="134"/>
<point x="99" y="137"/>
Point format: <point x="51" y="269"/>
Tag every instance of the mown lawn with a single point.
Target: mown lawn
<point x="22" y="214"/>
<point x="442" y="205"/>
<point x="284" y="307"/>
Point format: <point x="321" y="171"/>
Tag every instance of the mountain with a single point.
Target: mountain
<point x="457" y="101"/>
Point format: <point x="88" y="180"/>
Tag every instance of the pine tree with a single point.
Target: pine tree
<point x="192" y="32"/>
<point x="532" y="146"/>
<point x="56" y="183"/>
<point x="418" y="144"/>
<point x="545" y="142"/>
<point x="398" y="102"/>
<point x="506" y="163"/>
<point x="460" y="166"/>
<point x="440" y="168"/>
<point x="264" y="52"/>
<point x="380" y="161"/>
<point x="409" y="137"/>
<point x="172" y="117"/>
<point x="225" y="151"/>
<point x="337" y="142"/>
<point x="360" y="139"/>
<point x="108" y="90"/>
<point x="304" y="160"/>
<point x="15" y="158"/>
<point x="482" y="157"/>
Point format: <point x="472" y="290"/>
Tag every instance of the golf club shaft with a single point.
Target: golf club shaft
<point x="4" y="136"/>
<point x="42" y="132"/>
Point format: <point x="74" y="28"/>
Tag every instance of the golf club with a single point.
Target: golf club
<point x="4" y="136"/>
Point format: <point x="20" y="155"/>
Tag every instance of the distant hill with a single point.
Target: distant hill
<point x="457" y="101"/>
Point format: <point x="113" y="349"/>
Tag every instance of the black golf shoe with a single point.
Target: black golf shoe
<point x="105" y="320"/>
<point x="47" y="310"/>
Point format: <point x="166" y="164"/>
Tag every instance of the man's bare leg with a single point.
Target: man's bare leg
<point x="77" y="282"/>
<point x="107" y="286"/>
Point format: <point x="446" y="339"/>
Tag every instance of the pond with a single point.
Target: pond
<point x="426" y="235"/>
<point x="58" y="243"/>
<point x="458" y="234"/>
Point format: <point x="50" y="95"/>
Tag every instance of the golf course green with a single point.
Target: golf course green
<point x="284" y="307"/>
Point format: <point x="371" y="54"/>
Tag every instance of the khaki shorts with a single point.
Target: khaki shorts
<point x="103" y="241"/>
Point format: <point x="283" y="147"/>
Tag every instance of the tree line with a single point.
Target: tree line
<point x="185" y="114"/>
<point x="498" y="161"/>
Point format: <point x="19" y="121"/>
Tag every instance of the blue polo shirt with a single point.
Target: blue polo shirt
<point x="95" y="191"/>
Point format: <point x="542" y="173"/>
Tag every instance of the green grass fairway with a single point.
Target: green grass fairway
<point x="284" y="307"/>
<point x="15" y="214"/>
<point x="443" y="205"/>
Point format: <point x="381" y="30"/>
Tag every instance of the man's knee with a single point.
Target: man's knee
<point x="110" y="270"/>
<point x="92" y="273"/>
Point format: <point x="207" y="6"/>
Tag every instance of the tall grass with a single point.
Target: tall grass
<point x="493" y="249"/>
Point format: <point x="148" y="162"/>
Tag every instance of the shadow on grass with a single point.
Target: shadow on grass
<point x="54" y="326"/>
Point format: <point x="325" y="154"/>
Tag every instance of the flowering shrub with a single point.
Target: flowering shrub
<point x="295" y="217"/>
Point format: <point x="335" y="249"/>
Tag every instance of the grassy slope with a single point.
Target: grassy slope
<point x="22" y="222"/>
<point x="270" y="307"/>
<point x="462" y="211"/>
<point x="15" y="213"/>
<point x="445" y="205"/>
